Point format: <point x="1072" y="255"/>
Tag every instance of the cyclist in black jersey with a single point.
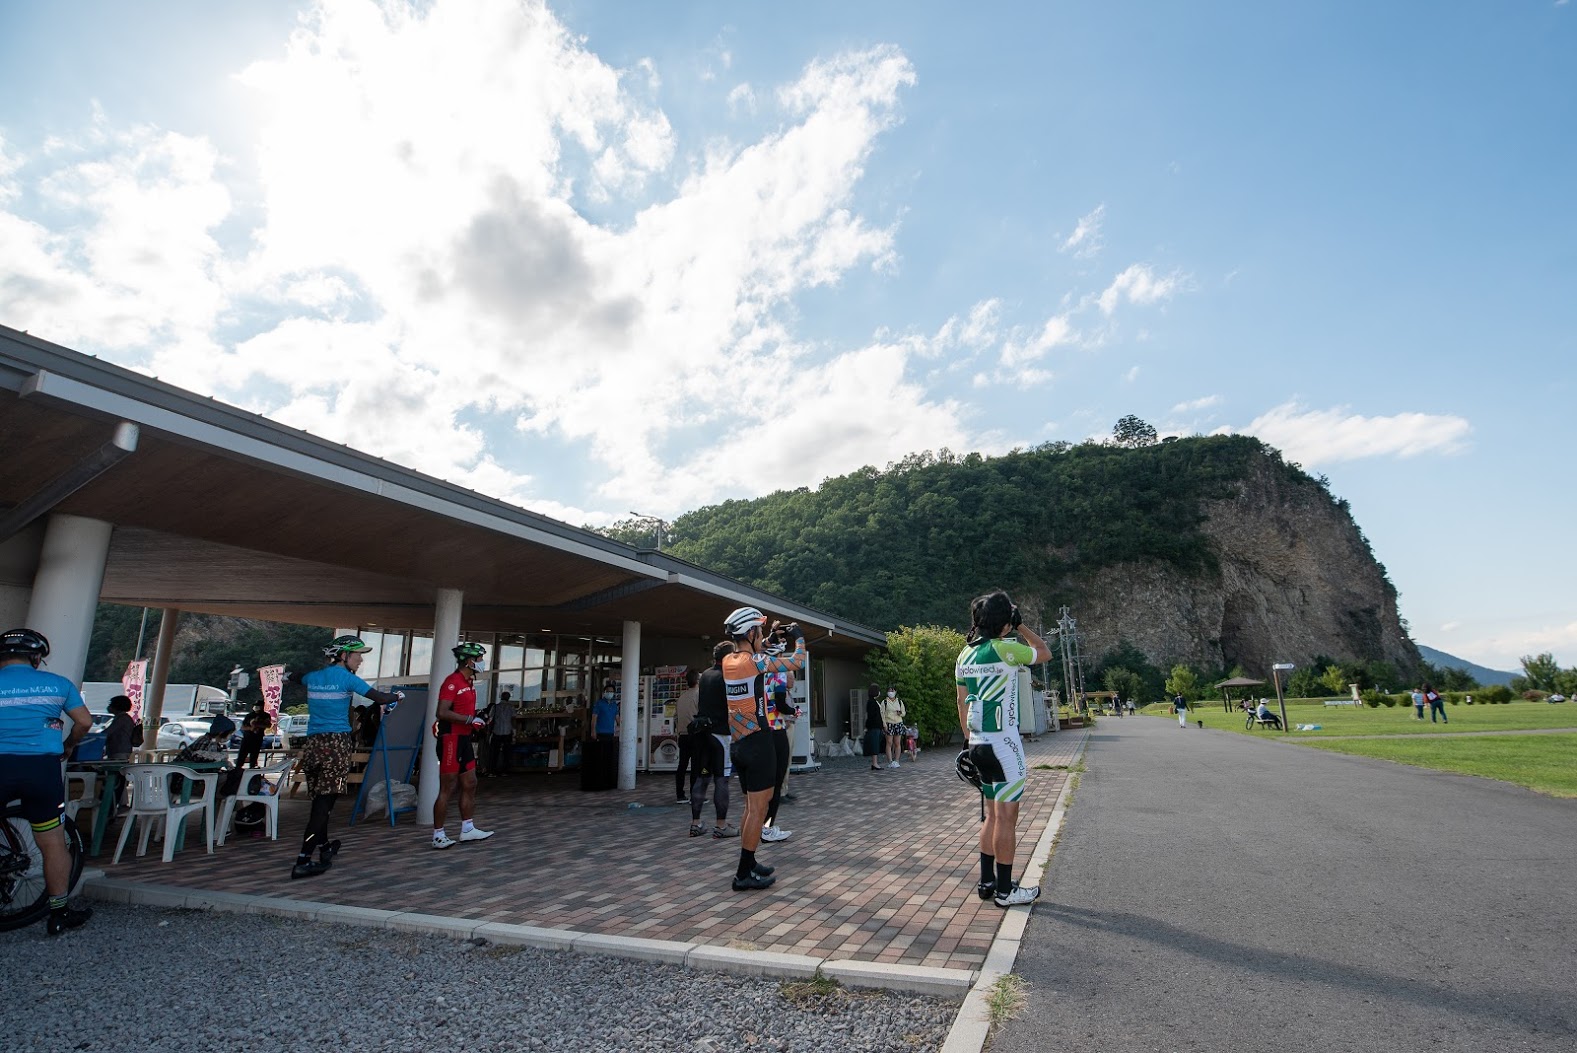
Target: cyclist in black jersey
<point x="709" y="748"/>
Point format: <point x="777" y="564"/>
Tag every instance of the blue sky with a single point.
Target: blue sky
<point x="518" y="246"/>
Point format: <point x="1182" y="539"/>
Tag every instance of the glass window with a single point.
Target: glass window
<point x="535" y="656"/>
<point x="511" y="656"/>
<point x="530" y="686"/>
<point x="421" y="656"/>
<point x="392" y="656"/>
<point x="369" y="662"/>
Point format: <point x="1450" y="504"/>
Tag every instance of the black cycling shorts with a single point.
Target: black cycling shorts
<point x="756" y="761"/>
<point x="35" y="779"/>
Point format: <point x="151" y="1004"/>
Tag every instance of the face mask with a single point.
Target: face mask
<point x="892" y="694"/>
<point x="480" y="665"/>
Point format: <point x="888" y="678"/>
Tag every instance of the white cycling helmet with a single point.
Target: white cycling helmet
<point x="739" y="624"/>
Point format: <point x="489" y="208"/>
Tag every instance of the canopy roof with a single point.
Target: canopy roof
<point x="1240" y="681"/>
<point x="222" y="511"/>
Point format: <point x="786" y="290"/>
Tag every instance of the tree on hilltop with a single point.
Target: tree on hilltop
<point x="1133" y="433"/>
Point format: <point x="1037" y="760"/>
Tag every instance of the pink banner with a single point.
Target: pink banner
<point x="271" y="678"/>
<point x="132" y="683"/>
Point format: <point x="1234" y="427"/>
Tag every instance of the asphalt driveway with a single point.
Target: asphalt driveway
<point x="1217" y="892"/>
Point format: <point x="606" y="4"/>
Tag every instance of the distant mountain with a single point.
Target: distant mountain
<point x="1487" y="677"/>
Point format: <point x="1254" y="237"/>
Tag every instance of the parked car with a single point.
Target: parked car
<point x="182" y="731"/>
<point x="293" y="724"/>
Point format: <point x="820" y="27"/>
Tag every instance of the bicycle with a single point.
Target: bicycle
<point x="23" y="898"/>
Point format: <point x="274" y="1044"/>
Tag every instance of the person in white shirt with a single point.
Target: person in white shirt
<point x="503" y="735"/>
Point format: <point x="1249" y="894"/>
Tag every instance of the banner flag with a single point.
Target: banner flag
<point x="132" y="683"/>
<point x="272" y="680"/>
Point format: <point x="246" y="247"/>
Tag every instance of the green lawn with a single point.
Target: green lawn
<point x="1361" y="720"/>
<point x="1544" y="763"/>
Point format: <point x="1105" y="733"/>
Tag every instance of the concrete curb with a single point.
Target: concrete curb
<point x="973" y="1024"/>
<point x="913" y="979"/>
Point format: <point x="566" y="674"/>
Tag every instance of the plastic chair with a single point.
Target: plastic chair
<point x="89" y="798"/>
<point x="267" y="795"/>
<point x="152" y="802"/>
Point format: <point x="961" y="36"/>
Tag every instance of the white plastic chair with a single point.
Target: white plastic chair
<point x="275" y="778"/>
<point x="89" y="798"/>
<point x="152" y="802"/>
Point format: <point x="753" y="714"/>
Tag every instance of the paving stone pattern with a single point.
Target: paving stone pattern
<point x="882" y="865"/>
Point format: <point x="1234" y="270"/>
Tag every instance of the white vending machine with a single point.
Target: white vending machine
<point x="657" y="745"/>
<point x="802" y="740"/>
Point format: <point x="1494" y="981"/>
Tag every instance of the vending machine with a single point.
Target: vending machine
<point x="657" y="745"/>
<point x="802" y="740"/>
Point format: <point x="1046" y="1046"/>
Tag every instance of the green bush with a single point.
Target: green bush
<point x="1371" y="700"/>
<point x="1375" y="699"/>
<point x="1493" y="694"/>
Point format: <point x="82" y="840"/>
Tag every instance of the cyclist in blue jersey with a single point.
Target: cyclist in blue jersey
<point x="33" y="708"/>
<point x="326" y="750"/>
<point x="988" y="709"/>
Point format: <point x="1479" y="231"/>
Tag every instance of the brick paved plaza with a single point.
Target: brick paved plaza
<point x="881" y="867"/>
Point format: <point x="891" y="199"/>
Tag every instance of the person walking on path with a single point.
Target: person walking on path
<point x="35" y="707"/>
<point x="709" y="748"/>
<point x="1180" y="707"/>
<point x="457" y="721"/>
<point x="874" y="728"/>
<point x="684" y="715"/>
<point x="1437" y="705"/>
<point x="755" y="756"/>
<point x="986" y="674"/>
<point x="892" y="725"/>
<point x="326" y="750"/>
<point x="1418" y="703"/>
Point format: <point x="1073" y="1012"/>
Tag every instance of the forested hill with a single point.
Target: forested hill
<point x="1177" y="547"/>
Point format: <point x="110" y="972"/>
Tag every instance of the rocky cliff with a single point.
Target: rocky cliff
<point x="1293" y="578"/>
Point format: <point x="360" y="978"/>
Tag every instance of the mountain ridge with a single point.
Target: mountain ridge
<point x="1483" y="674"/>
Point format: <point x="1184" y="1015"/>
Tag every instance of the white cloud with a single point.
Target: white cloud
<point x="742" y="100"/>
<point x="1086" y="241"/>
<point x="1197" y="404"/>
<point x="1057" y="331"/>
<point x="1505" y="649"/>
<point x="1312" y="437"/>
<point x="1132" y="374"/>
<point x="1137" y="284"/>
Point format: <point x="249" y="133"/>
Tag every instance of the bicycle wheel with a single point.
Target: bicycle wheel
<point x="23" y="897"/>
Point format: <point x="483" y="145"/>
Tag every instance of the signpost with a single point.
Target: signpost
<point x="1275" y="674"/>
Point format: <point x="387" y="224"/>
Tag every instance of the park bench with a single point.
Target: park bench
<point x="1256" y="721"/>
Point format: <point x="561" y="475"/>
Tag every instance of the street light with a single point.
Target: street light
<point x="1275" y="674"/>
<point x="662" y="524"/>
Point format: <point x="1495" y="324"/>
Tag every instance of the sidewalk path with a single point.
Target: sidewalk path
<point x="1212" y="892"/>
<point x="881" y="868"/>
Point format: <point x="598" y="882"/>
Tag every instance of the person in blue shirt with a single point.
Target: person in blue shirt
<point x="605" y="714"/>
<point x="34" y="706"/>
<point x="326" y="750"/>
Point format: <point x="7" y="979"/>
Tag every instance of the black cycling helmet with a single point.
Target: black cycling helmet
<point x="966" y="769"/>
<point x="342" y="645"/>
<point x="28" y="643"/>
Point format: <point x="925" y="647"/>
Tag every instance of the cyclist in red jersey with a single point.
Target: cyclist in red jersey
<point x="457" y="719"/>
<point x="755" y="756"/>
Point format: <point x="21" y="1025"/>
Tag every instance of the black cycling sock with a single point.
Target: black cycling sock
<point x="988" y="869"/>
<point x="58" y="903"/>
<point x="747" y="864"/>
<point x="317" y="825"/>
<point x="1004" y="878"/>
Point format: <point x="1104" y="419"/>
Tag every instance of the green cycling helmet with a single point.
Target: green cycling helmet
<point x="464" y="652"/>
<point x="343" y="645"/>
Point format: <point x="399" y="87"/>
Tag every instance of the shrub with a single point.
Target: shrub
<point x="1494" y="693"/>
<point x="1371" y="700"/>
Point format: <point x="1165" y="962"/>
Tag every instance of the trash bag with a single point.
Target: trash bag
<point x="378" y="797"/>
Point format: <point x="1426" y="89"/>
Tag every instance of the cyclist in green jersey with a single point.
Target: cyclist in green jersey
<point x="988" y="711"/>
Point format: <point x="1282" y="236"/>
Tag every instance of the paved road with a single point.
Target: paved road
<point x="1217" y="892"/>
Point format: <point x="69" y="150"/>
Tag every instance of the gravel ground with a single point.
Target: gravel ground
<point x="154" y="980"/>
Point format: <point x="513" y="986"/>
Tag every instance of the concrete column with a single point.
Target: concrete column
<point x="66" y="590"/>
<point x="159" y="676"/>
<point x="629" y="703"/>
<point x="446" y="633"/>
